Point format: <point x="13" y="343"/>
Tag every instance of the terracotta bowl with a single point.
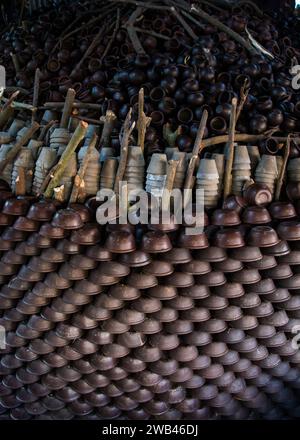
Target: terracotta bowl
<point x="67" y="219"/>
<point x="289" y="231"/>
<point x="120" y="242"/>
<point x="229" y="239"/>
<point x="156" y="242"/>
<point x="198" y="241"/>
<point x="256" y="215"/>
<point x="42" y="211"/>
<point x="226" y="217"/>
<point x="262" y="236"/>
<point x="17" y="207"/>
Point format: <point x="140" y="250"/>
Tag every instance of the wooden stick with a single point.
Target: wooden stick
<point x="109" y="122"/>
<point x="21" y="182"/>
<point x="88" y="120"/>
<point x="217" y="140"/>
<point x="59" y="106"/>
<point x="5" y="115"/>
<point x="229" y="163"/>
<point x="17" y="147"/>
<point x="215" y="22"/>
<point x="152" y="33"/>
<point x="132" y="32"/>
<point x="20" y="105"/>
<point x="169" y="183"/>
<point x="243" y="97"/>
<point x="79" y="178"/>
<point x="128" y="128"/>
<point x="36" y="91"/>
<point x="10" y="100"/>
<point x="283" y="168"/>
<point x="63" y="162"/>
<point x="45" y="130"/>
<point x="67" y="108"/>
<point x="112" y="39"/>
<point x="198" y="146"/>
<point x="15" y="61"/>
<point x="143" y="121"/>
<point x="90" y="49"/>
<point x="184" y="24"/>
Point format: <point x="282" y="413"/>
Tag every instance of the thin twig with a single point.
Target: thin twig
<point x="283" y="168"/>
<point x="229" y="163"/>
<point x="36" y="91"/>
<point x="215" y="22"/>
<point x="152" y="33"/>
<point x="143" y="121"/>
<point x="184" y="24"/>
<point x="67" y="108"/>
<point x="45" y="130"/>
<point x="10" y="100"/>
<point x="112" y="39"/>
<point x="132" y="32"/>
<point x="109" y="122"/>
<point x="90" y="49"/>
<point x="15" y="60"/>
<point x="243" y="98"/>
<point x="128" y="128"/>
<point x="198" y="146"/>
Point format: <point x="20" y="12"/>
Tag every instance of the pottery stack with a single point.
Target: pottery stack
<point x="293" y="170"/>
<point x="135" y="169"/>
<point x="181" y="169"/>
<point x="156" y="174"/>
<point x="24" y="160"/>
<point x="267" y="172"/>
<point x="241" y="170"/>
<point x="207" y="180"/>
<point x="6" y="173"/>
<point x="108" y="173"/>
<point x="59" y="139"/>
<point x="67" y="179"/>
<point x="92" y="174"/>
<point x="46" y="160"/>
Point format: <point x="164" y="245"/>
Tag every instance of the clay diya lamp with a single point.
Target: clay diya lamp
<point x="247" y="254"/>
<point x="196" y="292"/>
<point x="266" y="262"/>
<point x="229" y="239"/>
<point x="278" y="250"/>
<point x="256" y="215"/>
<point x="225" y="217"/>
